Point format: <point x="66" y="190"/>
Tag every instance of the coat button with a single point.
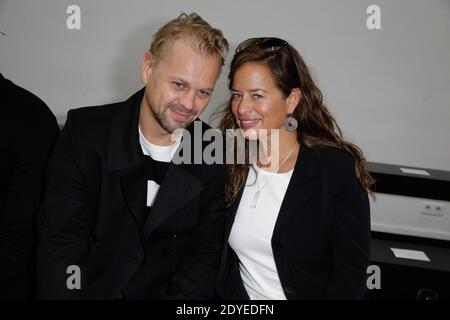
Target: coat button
<point x="93" y="239"/>
<point x="165" y="251"/>
<point x="288" y="290"/>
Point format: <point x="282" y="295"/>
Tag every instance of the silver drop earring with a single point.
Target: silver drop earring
<point x="290" y="123"/>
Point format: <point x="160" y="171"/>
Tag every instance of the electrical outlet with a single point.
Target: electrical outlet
<point x="435" y="209"/>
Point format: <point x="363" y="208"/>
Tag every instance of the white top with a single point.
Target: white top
<point x="252" y="231"/>
<point x="158" y="153"/>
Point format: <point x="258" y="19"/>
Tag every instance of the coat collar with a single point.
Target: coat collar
<point x="123" y="146"/>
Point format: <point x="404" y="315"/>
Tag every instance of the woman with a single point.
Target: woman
<point x="299" y="229"/>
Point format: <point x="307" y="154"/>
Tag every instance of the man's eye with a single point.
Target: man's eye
<point x="257" y="96"/>
<point x="204" y="94"/>
<point x="178" y="85"/>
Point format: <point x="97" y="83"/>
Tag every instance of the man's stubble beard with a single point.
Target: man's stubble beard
<point x="165" y="123"/>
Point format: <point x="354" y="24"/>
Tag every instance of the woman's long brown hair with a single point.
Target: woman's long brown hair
<point x="316" y="126"/>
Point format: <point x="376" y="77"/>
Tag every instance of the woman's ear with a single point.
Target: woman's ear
<point x="147" y="66"/>
<point x="293" y="99"/>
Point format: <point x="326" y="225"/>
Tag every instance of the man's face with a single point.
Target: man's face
<point x="179" y="85"/>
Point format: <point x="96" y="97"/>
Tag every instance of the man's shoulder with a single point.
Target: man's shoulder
<point x="93" y="116"/>
<point x="101" y="117"/>
<point x="90" y="127"/>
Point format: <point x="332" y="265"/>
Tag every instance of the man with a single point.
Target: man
<point x="120" y="220"/>
<point x="28" y="131"/>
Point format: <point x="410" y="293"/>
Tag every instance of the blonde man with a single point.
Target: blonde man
<point x="120" y="220"/>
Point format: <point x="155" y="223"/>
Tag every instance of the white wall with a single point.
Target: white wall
<point x="389" y="89"/>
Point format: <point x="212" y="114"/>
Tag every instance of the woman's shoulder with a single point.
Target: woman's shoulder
<point x="333" y="156"/>
<point x="338" y="164"/>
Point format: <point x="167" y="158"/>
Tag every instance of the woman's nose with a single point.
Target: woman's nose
<point x="244" y="106"/>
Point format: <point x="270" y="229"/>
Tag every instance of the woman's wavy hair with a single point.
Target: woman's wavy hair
<point x="316" y="126"/>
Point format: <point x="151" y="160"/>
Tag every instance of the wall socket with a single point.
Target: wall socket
<point x="435" y="209"/>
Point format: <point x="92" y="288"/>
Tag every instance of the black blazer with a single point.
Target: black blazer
<point x="95" y="196"/>
<point x="28" y="130"/>
<point x="321" y="239"/>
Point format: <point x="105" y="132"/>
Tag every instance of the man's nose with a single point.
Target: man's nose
<point x="188" y="100"/>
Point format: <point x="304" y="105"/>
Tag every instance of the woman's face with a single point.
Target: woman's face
<point x="256" y="102"/>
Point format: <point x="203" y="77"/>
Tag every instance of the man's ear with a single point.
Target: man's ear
<point x="147" y="66"/>
<point x="293" y="99"/>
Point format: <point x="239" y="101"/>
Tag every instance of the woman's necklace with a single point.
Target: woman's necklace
<point x="257" y="194"/>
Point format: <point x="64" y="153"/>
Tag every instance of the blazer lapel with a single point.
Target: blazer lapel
<point x="300" y="186"/>
<point x="180" y="184"/>
<point x="179" y="187"/>
<point x="124" y="150"/>
<point x="124" y="153"/>
<point x="134" y="187"/>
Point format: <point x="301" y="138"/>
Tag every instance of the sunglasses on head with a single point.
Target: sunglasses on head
<point x="274" y="44"/>
<point x="267" y="42"/>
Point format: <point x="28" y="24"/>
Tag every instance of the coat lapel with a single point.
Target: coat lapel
<point x="124" y="150"/>
<point x="134" y="187"/>
<point x="180" y="184"/>
<point x="300" y="187"/>
<point x="179" y="187"/>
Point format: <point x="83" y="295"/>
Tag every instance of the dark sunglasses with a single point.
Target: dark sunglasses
<point x="274" y="44"/>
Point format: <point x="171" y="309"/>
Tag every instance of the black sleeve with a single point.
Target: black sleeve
<point x="28" y="150"/>
<point x="351" y="238"/>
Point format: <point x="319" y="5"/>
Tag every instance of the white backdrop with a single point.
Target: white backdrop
<point x="389" y="89"/>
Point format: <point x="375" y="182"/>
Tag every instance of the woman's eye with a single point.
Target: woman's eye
<point x="235" y="96"/>
<point x="257" y="96"/>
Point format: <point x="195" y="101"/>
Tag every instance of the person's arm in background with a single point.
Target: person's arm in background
<point x="32" y="133"/>
<point x="350" y="238"/>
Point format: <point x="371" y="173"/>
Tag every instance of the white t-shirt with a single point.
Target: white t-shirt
<point x="158" y="153"/>
<point x="252" y="231"/>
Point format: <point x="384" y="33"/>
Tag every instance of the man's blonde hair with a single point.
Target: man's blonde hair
<point x="195" y="31"/>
